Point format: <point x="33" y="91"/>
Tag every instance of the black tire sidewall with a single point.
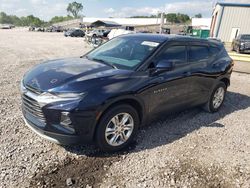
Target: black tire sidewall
<point x="211" y="106"/>
<point x="101" y="127"/>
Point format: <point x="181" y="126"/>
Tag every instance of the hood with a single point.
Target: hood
<point x="69" y="75"/>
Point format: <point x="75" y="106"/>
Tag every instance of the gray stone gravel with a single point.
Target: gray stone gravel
<point x="187" y="149"/>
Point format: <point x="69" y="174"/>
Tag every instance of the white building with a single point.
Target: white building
<point x="126" y="21"/>
<point x="201" y="22"/>
<point x="229" y="20"/>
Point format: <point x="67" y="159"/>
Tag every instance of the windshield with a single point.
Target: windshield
<point x="124" y="52"/>
<point x="245" y="37"/>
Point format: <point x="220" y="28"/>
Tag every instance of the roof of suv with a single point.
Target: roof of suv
<point x="163" y="38"/>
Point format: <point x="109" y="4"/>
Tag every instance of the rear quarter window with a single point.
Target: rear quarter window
<point x="214" y="50"/>
<point x="198" y="53"/>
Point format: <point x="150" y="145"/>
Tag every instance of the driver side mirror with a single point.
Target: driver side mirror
<point x="163" y="66"/>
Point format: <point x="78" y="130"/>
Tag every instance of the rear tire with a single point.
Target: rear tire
<point x="112" y="134"/>
<point x="216" y="98"/>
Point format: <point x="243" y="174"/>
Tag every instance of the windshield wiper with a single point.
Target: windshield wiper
<point x="104" y="62"/>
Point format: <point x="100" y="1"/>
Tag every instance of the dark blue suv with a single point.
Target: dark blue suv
<point x="107" y="94"/>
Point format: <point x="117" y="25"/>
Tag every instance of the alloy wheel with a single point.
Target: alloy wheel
<point x="119" y="129"/>
<point x="218" y="97"/>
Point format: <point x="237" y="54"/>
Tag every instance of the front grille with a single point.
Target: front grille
<point x="247" y="45"/>
<point x="33" y="108"/>
<point x="33" y="90"/>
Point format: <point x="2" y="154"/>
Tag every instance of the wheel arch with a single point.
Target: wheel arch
<point x="226" y="81"/>
<point x="132" y="101"/>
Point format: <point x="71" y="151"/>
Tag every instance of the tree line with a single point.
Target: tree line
<point x="74" y="10"/>
<point x="172" y="17"/>
<point x="31" y="20"/>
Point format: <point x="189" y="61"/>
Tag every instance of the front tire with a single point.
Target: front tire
<point x="117" y="128"/>
<point x="216" y="98"/>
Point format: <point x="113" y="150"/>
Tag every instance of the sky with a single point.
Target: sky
<point x="46" y="9"/>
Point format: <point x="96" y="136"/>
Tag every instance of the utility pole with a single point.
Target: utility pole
<point x="162" y="23"/>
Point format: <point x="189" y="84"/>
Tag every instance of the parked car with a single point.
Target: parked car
<point x="241" y="43"/>
<point x="105" y="33"/>
<point x="74" y="33"/>
<point x="32" y="28"/>
<point x="40" y="29"/>
<point x="49" y="29"/>
<point x="107" y="94"/>
<point x="57" y="29"/>
<point x="97" y="33"/>
<point x="6" y="26"/>
<point x="118" y="32"/>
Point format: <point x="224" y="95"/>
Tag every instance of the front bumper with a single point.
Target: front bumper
<point x="53" y="137"/>
<point x="58" y="138"/>
<point x="51" y="130"/>
<point x="245" y="47"/>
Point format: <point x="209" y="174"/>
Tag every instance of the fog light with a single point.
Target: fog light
<point x="66" y="122"/>
<point x="65" y="119"/>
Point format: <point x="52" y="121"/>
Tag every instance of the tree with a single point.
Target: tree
<point x="4" y="18"/>
<point x="151" y="16"/>
<point x="182" y="18"/>
<point x="198" y="15"/>
<point x="57" y="19"/>
<point x="75" y="8"/>
<point x="172" y="17"/>
<point x="177" y="18"/>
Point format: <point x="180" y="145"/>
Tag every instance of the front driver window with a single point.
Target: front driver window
<point x="175" y="54"/>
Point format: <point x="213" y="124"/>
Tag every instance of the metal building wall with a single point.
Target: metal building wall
<point x="217" y="13"/>
<point x="234" y="17"/>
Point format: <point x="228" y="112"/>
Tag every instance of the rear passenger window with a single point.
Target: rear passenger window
<point x="198" y="53"/>
<point x="214" y="50"/>
<point x="174" y="53"/>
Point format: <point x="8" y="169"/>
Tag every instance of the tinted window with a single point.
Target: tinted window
<point x="198" y="53"/>
<point x="175" y="53"/>
<point x="245" y="37"/>
<point x="214" y="50"/>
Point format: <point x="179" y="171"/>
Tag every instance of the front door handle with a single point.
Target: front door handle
<point x="157" y="80"/>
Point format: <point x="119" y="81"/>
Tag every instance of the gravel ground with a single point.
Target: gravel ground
<point x="187" y="149"/>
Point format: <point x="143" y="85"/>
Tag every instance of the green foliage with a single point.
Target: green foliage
<point x="75" y="9"/>
<point x="198" y="15"/>
<point x="171" y="17"/>
<point x="6" y="19"/>
<point x="23" y="21"/>
<point x="151" y="16"/>
<point x="57" y="19"/>
<point x="177" y="18"/>
<point x="30" y="20"/>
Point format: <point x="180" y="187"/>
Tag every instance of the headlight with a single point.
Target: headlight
<point x="70" y="95"/>
<point x="22" y="88"/>
<point x="242" y="43"/>
<point x="46" y="98"/>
